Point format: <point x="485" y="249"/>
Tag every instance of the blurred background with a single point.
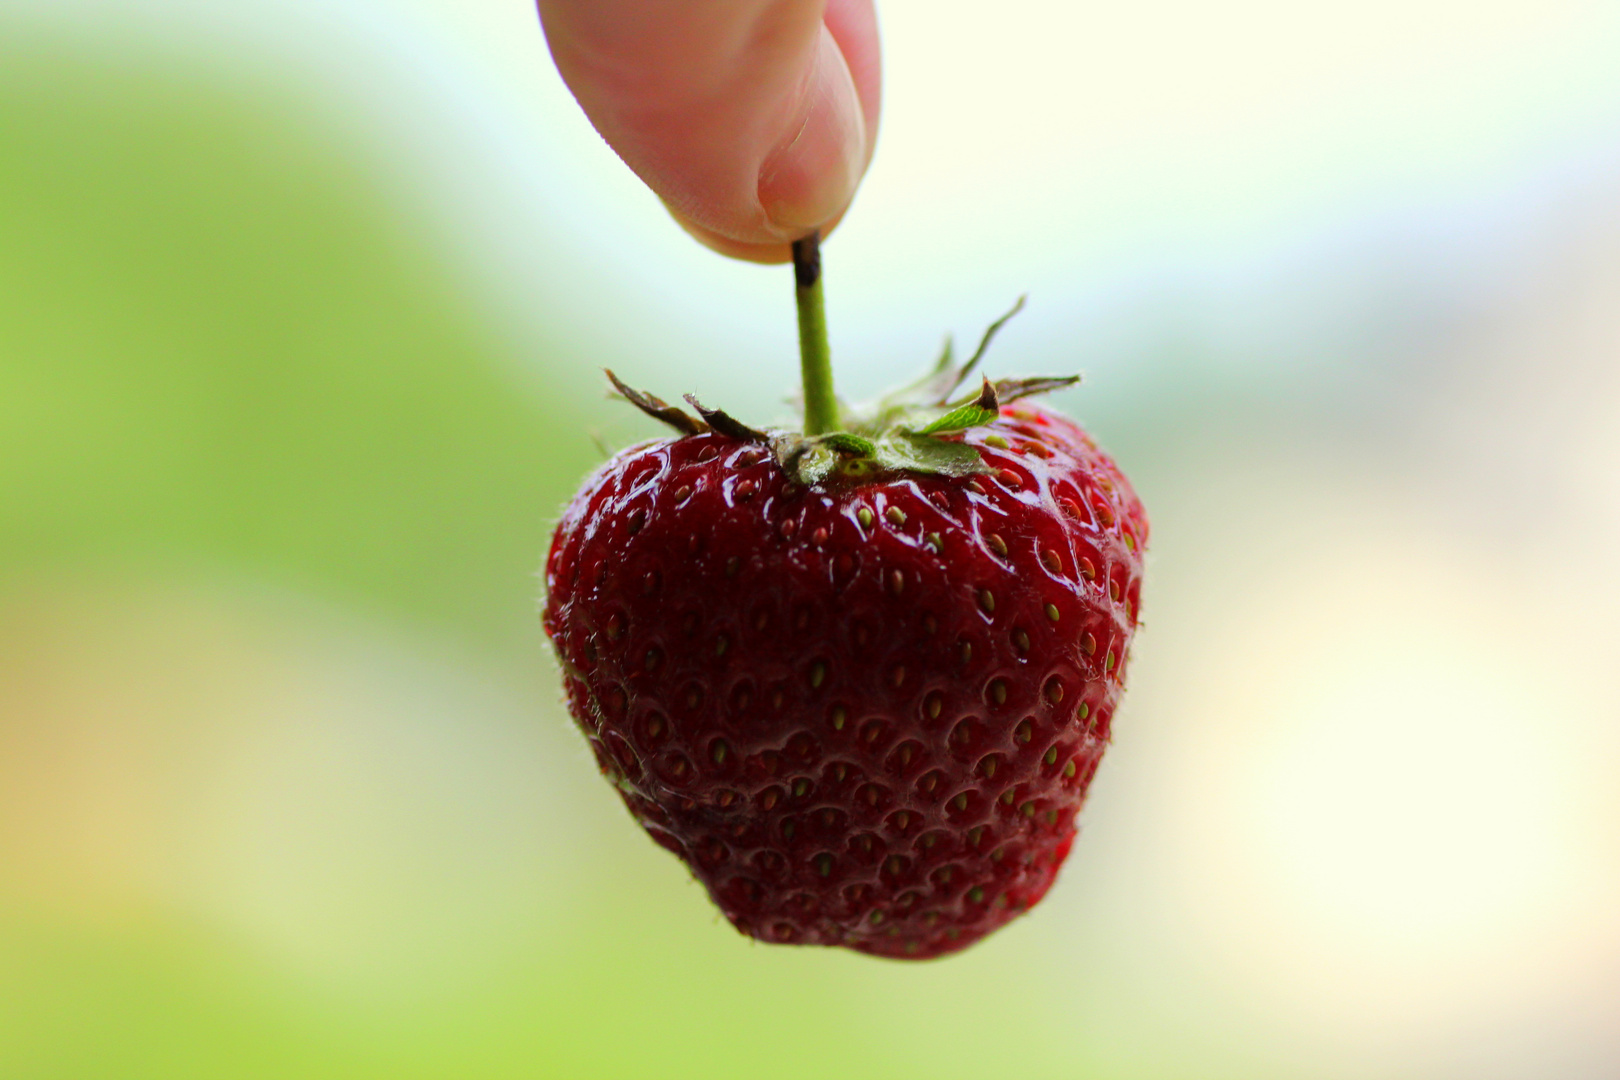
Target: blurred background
<point x="302" y="310"/>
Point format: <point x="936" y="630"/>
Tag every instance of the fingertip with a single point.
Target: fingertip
<point x="769" y="254"/>
<point x="755" y="118"/>
<point x="737" y="249"/>
<point x="810" y="178"/>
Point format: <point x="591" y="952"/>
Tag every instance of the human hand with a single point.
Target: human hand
<point x="753" y="120"/>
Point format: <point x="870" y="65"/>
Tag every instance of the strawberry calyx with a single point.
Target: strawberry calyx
<point x="908" y="430"/>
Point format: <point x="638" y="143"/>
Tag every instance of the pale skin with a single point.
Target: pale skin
<point x="753" y="120"/>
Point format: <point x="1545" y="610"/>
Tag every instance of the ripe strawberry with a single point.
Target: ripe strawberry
<point x="865" y="713"/>
<point x="858" y="684"/>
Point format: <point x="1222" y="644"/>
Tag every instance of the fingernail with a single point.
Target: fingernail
<point x="810" y="178"/>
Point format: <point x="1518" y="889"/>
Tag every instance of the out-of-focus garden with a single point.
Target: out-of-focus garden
<point x="302" y="311"/>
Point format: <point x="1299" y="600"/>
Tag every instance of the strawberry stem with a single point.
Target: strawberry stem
<point x="815" y="359"/>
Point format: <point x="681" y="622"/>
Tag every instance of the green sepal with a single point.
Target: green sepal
<point x="849" y="443"/>
<point x="815" y="464"/>
<point x="812" y="460"/>
<point x="1016" y="389"/>
<point x="905" y="451"/>
<point x="981" y="410"/>
<point x="961" y="373"/>
<point x="959" y="418"/>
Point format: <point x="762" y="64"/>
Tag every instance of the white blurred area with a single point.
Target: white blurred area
<point x="1346" y="279"/>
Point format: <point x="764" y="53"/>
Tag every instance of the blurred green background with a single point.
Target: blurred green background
<point x="302" y="307"/>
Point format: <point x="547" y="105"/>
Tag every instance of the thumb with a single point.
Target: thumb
<point x="753" y="120"/>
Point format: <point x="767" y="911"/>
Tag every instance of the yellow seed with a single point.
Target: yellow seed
<point x="996" y="441"/>
<point x="997" y="544"/>
<point x="838" y="717"/>
<point x="1069" y="771"/>
<point x="1052" y="612"/>
<point x="895" y="515"/>
<point x="987" y="600"/>
<point x="818" y="672"/>
<point x="864" y="516"/>
<point x="1051" y="756"/>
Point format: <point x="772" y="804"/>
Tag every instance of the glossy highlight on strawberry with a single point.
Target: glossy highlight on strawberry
<point x="864" y="711"/>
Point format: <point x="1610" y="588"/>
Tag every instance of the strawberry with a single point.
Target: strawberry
<point x="858" y="681"/>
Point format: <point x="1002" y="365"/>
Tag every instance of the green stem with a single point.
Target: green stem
<point x="815" y="359"/>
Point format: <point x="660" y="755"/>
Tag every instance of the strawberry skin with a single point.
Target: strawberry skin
<point x="865" y="713"/>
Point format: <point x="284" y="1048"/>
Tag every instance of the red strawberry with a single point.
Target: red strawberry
<point x="859" y="689"/>
<point x="865" y="713"/>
